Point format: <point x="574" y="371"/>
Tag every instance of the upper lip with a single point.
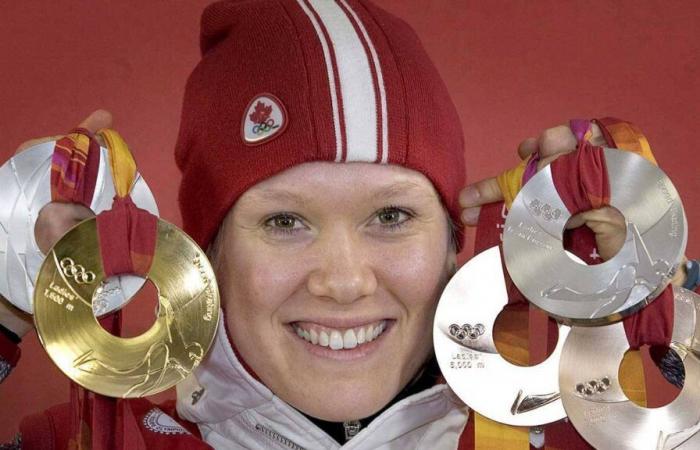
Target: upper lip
<point x="339" y="322"/>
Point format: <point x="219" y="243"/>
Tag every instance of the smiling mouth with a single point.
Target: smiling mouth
<point x="340" y="338"/>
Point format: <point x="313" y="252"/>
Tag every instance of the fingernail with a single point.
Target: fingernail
<point x="470" y="216"/>
<point x="469" y="196"/>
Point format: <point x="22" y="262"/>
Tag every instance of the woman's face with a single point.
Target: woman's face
<point x="330" y="274"/>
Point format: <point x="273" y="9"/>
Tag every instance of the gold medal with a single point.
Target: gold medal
<point x="188" y="313"/>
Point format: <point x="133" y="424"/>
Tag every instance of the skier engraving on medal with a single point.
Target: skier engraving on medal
<point x="644" y="272"/>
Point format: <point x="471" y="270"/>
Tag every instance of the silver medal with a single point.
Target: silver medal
<point x="25" y="183"/>
<point x="469" y="360"/>
<point x="593" y="295"/>
<point x="596" y="404"/>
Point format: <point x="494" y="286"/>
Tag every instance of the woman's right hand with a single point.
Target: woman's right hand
<point x="54" y="220"/>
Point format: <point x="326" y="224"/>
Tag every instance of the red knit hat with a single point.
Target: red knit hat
<point x="285" y="82"/>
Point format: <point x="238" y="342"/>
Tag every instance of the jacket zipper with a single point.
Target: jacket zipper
<point x="352" y="427"/>
<point x="275" y="436"/>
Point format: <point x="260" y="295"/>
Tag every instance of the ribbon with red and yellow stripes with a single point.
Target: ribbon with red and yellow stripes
<point x="74" y="166"/>
<point x="625" y="136"/>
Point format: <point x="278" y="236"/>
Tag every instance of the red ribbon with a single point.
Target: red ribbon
<point x="127" y="236"/>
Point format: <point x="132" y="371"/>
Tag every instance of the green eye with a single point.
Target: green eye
<point x="389" y="216"/>
<point x="284" y="221"/>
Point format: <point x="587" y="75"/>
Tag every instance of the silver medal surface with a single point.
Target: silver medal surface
<point x="600" y="410"/>
<point x="599" y="294"/>
<point x="25" y="183"/>
<point x="469" y="360"/>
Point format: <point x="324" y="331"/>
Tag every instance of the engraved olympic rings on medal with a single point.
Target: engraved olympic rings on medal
<point x="77" y="272"/>
<point x="600" y="414"/>
<point x="185" y="326"/>
<point x="25" y="183"/>
<point x="466" y="331"/>
<point x="599" y="294"/>
<point x="593" y="387"/>
<point x="483" y="379"/>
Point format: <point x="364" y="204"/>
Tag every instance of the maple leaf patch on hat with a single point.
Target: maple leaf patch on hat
<point x="265" y="118"/>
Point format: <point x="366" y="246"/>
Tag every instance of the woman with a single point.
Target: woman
<point x="322" y="163"/>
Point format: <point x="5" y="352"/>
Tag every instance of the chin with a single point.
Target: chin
<point x="351" y="401"/>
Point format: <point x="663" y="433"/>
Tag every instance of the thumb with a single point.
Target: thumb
<point x="97" y="120"/>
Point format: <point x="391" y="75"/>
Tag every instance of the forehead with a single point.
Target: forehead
<point x="316" y="180"/>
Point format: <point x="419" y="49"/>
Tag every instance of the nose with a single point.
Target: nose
<point x="344" y="273"/>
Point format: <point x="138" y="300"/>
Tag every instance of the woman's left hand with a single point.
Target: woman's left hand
<point x="607" y="223"/>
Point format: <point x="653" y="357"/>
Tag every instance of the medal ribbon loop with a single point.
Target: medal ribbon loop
<point x="127" y="233"/>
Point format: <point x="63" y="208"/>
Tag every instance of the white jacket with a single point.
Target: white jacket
<point x="235" y="411"/>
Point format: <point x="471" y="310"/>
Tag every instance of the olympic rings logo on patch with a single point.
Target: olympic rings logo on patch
<point x="265" y="127"/>
<point x="77" y="272"/>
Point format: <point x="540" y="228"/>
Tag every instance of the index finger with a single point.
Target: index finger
<point x="480" y="193"/>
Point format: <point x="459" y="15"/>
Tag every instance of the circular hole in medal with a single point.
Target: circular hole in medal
<point x="651" y="381"/>
<point x="525" y="336"/>
<point x="138" y="314"/>
<point x="613" y="228"/>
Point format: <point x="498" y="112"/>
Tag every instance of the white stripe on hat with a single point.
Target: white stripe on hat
<point x="331" y="80"/>
<point x="356" y="84"/>
<point x="380" y="82"/>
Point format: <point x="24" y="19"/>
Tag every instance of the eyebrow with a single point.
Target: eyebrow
<point x="275" y="195"/>
<point x="396" y="190"/>
<point x="393" y="190"/>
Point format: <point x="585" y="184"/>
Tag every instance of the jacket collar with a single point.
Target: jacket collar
<point x="224" y="399"/>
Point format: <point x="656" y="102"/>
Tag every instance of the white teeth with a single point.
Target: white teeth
<point x="361" y="335"/>
<point x="323" y="339"/>
<point x="349" y="339"/>
<point x="370" y="333"/>
<point x="336" y="340"/>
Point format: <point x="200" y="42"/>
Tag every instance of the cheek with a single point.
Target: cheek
<point x="416" y="272"/>
<point x="255" y="284"/>
<point x="415" y="278"/>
